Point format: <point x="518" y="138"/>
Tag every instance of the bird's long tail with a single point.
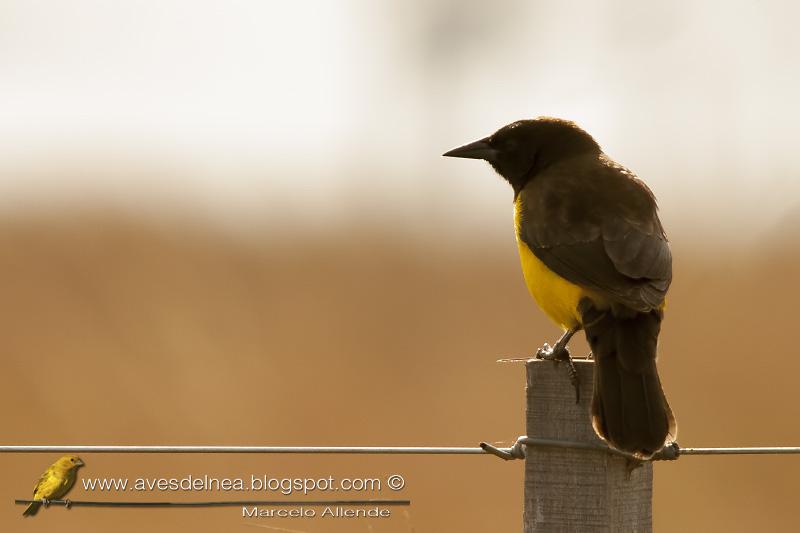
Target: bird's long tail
<point x="629" y="408"/>
<point x="31" y="509"/>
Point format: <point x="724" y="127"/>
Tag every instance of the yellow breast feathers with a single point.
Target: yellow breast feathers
<point x="557" y="297"/>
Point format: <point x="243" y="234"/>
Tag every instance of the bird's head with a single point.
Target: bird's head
<point x="69" y="462"/>
<point x="521" y="149"/>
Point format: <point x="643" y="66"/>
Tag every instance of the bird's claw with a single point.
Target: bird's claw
<point x="574" y="379"/>
<point x="45" y="503"/>
<point x="68" y="503"/>
<point x="549" y="353"/>
<point x="561" y="353"/>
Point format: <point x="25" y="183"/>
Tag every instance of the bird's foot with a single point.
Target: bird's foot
<point x="550" y="354"/>
<point x="558" y="353"/>
<point x="45" y="503"/>
<point x="590" y="356"/>
<point x="68" y="503"/>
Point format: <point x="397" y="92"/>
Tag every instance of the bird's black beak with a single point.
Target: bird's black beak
<point x="477" y="150"/>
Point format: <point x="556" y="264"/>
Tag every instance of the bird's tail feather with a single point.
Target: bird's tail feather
<point x="629" y="408"/>
<point x="31" y="509"/>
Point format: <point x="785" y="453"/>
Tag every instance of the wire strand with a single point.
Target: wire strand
<point x="410" y="450"/>
<point x="514" y="452"/>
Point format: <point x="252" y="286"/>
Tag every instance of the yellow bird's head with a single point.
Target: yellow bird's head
<point x="69" y="462"/>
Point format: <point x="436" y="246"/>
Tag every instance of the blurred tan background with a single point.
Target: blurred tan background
<point x="228" y="223"/>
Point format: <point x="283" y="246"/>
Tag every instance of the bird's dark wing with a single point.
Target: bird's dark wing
<point x="595" y="224"/>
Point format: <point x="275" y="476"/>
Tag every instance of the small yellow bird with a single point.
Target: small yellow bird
<point x="55" y="482"/>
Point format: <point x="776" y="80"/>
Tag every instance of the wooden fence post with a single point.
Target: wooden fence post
<point x="573" y="489"/>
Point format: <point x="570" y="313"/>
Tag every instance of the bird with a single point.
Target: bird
<point x="594" y="257"/>
<point x="55" y="483"/>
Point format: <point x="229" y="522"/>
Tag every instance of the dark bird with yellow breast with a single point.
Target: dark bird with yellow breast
<point x="55" y="483"/>
<point x="595" y="257"/>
